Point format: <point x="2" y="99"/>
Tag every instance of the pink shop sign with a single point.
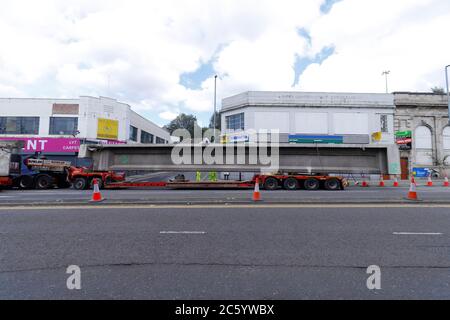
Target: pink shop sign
<point x="53" y="145"/>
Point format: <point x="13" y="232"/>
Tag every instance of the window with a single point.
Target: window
<point x="146" y="137"/>
<point x="235" y="122"/>
<point x="160" y="140"/>
<point x="446" y="138"/>
<point x="19" y="125"/>
<point x="133" y="133"/>
<point x="423" y="138"/>
<point x="63" y="126"/>
<point x="384" y="123"/>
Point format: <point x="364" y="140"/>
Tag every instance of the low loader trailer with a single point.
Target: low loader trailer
<point x="288" y="182"/>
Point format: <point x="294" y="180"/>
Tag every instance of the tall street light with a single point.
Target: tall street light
<point x="386" y="73"/>
<point x="448" y="92"/>
<point x="215" y="106"/>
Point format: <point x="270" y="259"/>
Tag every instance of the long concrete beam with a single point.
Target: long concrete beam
<point x="368" y="159"/>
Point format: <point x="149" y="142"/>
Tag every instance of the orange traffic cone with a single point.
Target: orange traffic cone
<point x="96" y="196"/>
<point x="396" y="184"/>
<point x="256" y="193"/>
<point x="412" y="195"/>
<point x="430" y="182"/>
<point x="446" y="183"/>
<point x="382" y="184"/>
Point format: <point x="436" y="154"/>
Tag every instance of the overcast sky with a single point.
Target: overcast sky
<point x="161" y="56"/>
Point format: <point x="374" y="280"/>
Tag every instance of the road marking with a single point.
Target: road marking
<point x="417" y="234"/>
<point x="182" y="232"/>
<point x="223" y="205"/>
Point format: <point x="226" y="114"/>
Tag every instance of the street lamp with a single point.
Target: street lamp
<point x="448" y="93"/>
<point x="386" y="73"/>
<point x="215" y="106"/>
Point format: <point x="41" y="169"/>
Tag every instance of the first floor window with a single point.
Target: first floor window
<point x="133" y="133"/>
<point x="146" y="137"/>
<point x="235" y="122"/>
<point x="160" y="140"/>
<point x="63" y="125"/>
<point x="19" y="125"/>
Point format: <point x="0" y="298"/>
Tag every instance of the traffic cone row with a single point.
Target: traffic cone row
<point x="412" y="195"/>
<point x="256" y="193"/>
<point x="96" y="196"/>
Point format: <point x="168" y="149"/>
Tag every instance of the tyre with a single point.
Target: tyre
<point x="44" y="182"/>
<point x="271" y="184"/>
<point x="332" y="184"/>
<point x="312" y="184"/>
<point x="26" y="182"/>
<point x="80" y="184"/>
<point x="291" y="184"/>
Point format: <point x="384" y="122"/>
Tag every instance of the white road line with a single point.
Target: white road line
<point x="417" y="234"/>
<point x="182" y="232"/>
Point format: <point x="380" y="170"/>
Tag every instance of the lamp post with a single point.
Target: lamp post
<point x="386" y="73"/>
<point x="215" y="107"/>
<point x="448" y="92"/>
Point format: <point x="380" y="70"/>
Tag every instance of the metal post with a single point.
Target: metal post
<point x="386" y="73"/>
<point x="448" y="92"/>
<point x="215" y="107"/>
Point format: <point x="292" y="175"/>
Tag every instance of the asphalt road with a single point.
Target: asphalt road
<point x="159" y="196"/>
<point x="235" y="252"/>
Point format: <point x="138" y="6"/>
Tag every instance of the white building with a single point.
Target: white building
<point x="59" y="126"/>
<point x="301" y="117"/>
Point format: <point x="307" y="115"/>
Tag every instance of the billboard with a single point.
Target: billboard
<point x="404" y="140"/>
<point x="108" y="129"/>
<point x="49" y="145"/>
<point x="316" y="139"/>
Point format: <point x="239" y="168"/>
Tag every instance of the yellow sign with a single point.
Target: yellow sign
<point x="108" y="129"/>
<point x="377" y="136"/>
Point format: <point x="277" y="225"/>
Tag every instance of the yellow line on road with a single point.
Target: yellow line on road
<point x="225" y="206"/>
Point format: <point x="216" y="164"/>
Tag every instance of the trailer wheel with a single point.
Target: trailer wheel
<point x="26" y="182"/>
<point x="312" y="184"/>
<point x="271" y="184"/>
<point x="291" y="184"/>
<point x="332" y="184"/>
<point x="44" y="182"/>
<point x="80" y="184"/>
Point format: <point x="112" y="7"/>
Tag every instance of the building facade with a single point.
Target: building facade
<point x="422" y="132"/>
<point x="60" y="126"/>
<point x="343" y="118"/>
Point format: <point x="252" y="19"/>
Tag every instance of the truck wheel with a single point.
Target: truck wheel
<point x="312" y="184"/>
<point x="44" y="182"/>
<point x="332" y="184"/>
<point x="80" y="184"/>
<point x="291" y="184"/>
<point x="26" y="182"/>
<point x="271" y="184"/>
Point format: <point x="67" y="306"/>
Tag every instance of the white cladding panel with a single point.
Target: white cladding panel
<point x="423" y="138"/>
<point x="311" y="123"/>
<point x="351" y="123"/>
<point x="272" y="121"/>
<point x="446" y="138"/>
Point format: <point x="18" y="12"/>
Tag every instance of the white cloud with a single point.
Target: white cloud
<point x="136" y="50"/>
<point x="168" y="115"/>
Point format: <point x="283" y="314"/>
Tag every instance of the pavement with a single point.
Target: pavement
<point x="245" y="252"/>
<point x="353" y="194"/>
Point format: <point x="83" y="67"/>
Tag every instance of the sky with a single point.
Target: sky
<point x="161" y="56"/>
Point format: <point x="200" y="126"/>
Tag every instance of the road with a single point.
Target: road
<point x="226" y="252"/>
<point x="352" y="194"/>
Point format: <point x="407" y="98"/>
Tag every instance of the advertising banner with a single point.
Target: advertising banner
<point x="49" y="145"/>
<point x="316" y="139"/>
<point x="404" y="140"/>
<point x="108" y="129"/>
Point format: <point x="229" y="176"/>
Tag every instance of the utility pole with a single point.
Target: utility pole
<point x="215" y="107"/>
<point x="448" y="92"/>
<point x="386" y="74"/>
